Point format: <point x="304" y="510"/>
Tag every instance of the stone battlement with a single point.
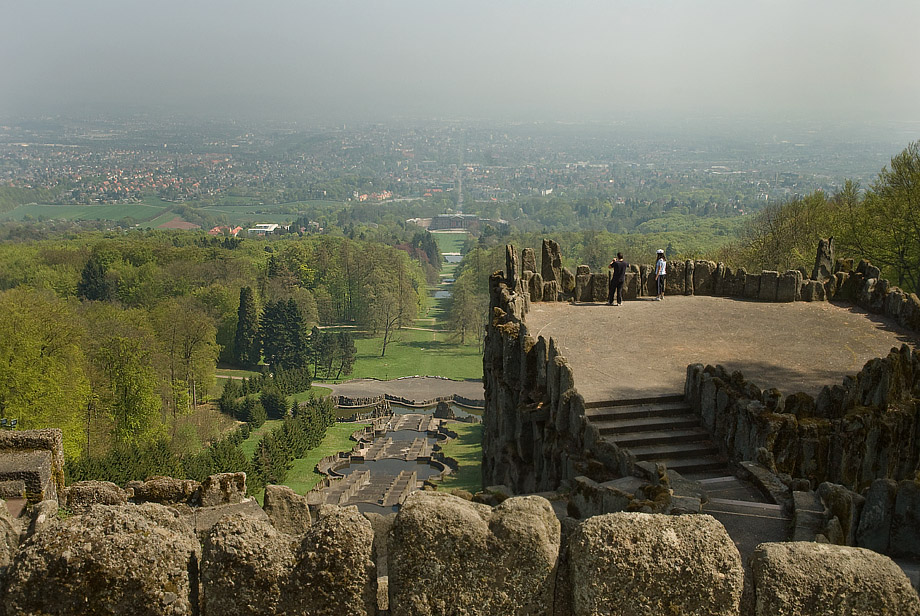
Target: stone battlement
<point x="439" y="555"/>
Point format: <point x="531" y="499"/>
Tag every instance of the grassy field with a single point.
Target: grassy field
<point x="467" y="450"/>
<point x="302" y="475"/>
<point x="417" y="352"/>
<point x="450" y="242"/>
<point x="315" y="391"/>
<point x="135" y="211"/>
<point x="249" y="445"/>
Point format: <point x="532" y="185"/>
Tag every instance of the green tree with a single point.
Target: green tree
<point x="188" y="340"/>
<point x="42" y="379"/>
<point x="885" y="226"/>
<point x="94" y="284"/>
<point x="246" y="341"/>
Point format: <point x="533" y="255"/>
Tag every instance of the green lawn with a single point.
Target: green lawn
<point x="136" y="211"/>
<point x="450" y="242"/>
<point x="315" y="391"/>
<point x="302" y="475"/>
<point x="249" y="445"/>
<point x="225" y="372"/>
<point x="467" y="450"/>
<point x="415" y="352"/>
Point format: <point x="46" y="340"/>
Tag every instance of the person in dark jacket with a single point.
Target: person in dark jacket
<point x="617" y="278"/>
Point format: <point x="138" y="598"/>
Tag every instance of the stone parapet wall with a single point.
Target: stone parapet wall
<point x="864" y="429"/>
<point x="439" y="555"/>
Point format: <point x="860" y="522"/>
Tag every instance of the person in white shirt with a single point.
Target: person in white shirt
<point x="661" y="273"/>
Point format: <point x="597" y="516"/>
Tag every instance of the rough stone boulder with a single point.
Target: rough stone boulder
<point x="636" y="563"/>
<point x="551" y="262"/>
<point x="874" y="528"/>
<point x="9" y="538"/>
<point x="287" y="510"/>
<point x="82" y="495"/>
<point x="905" y="523"/>
<point x="245" y="566"/>
<point x="334" y="571"/>
<point x="448" y="555"/>
<point x="223" y="489"/>
<point x="165" y="491"/>
<point x="824" y="261"/>
<point x="568" y="281"/>
<point x="528" y="260"/>
<point x="129" y="559"/>
<point x="810" y="579"/>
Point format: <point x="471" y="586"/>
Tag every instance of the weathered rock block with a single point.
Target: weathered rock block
<point x="874" y="529"/>
<point x="451" y="556"/>
<point x="84" y="494"/>
<point x="245" y="567"/>
<point x="551" y="263"/>
<point x="634" y="563"/>
<point x="334" y="571"/>
<point x="165" y="491"/>
<point x="703" y="281"/>
<point x="583" y="288"/>
<point x="787" y="286"/>
<point x="811" y="579"/>
<point x="752" y="286"/>
<point x="768" y="285"/>
<point x="905" y="524"/>
<point x="9" y="538"/>
<point x="535" y="288"/>
<point x="287" y="510"/>
<point x="130" y="559"/>
<point x="600" y="286"/>
<point x="528" y="260"/>
<point x="845" y="505"/>
<point x="568" y="281"/>
<point x="824" y="261"/>
<point x="676" y="282"/>
<point x="223" y="489"/>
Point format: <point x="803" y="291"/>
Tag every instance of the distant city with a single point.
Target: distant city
<point x="734" y="170"/>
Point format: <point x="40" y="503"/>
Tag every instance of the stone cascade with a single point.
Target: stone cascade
<point x="439" y="555"/>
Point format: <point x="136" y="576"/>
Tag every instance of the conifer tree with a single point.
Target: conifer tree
<point x="246" y="341"/>
<point x="94" y="285"/>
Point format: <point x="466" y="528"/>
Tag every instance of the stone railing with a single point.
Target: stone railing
<point x="515" y="558"/>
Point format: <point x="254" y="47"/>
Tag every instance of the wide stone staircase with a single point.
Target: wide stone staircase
<point x="665" y="429"/>
<point x="660" y="429"/>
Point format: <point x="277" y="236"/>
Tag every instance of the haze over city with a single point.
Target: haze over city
<point x="595" y="61"/>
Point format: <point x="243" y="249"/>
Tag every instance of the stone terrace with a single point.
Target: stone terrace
<point x="643" y="347"/>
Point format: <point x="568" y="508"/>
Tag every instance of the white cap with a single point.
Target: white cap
<point x="660" y="251"/>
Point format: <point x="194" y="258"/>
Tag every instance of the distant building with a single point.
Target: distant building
<point x="218" y="230"/>
<point x="263" y="228"/>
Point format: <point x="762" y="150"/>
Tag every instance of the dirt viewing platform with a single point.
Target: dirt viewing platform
<point x="643" y="347"/>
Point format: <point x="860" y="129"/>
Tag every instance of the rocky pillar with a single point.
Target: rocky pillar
<point x="824" y="260"/>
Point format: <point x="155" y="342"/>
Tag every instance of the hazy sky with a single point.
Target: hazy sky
<point x="505" y="59"/>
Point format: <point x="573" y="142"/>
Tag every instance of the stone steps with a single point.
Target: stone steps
<point x="638" y="411"/>
<point x="624" y="426"/>
<point x="661" y="437"/>
<point x="662" y="429"/>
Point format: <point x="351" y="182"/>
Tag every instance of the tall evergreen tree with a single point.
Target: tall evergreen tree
<point x="246" y="341"/>
<point x="94" y="285"/>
